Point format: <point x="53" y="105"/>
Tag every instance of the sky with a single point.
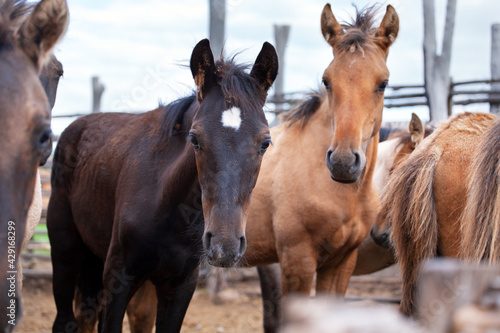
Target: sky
<point x="140" y="49"/>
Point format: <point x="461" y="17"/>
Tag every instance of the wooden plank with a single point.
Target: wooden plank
<point x="32" y="246"/>
<point x="453" y="84"/>
<point x="475" y="101"/>
<point x="445" y="285"/>
<point x="37" y="273"/>
<point x="27" y="256"/>
<point x="326" y="315"/>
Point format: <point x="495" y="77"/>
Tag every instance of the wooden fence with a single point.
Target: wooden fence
<point x="398" y="96"/>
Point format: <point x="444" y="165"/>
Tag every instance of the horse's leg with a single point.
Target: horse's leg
<point x="141" y="310"/>
<point x="119" y="287"/>
<point x="335" y="279"/>
<point x="66" y="248"/>
<point x="298" y="266"/>
<point x="173" y="301"/>
<point x="89" y="285"/>
<point x="270" y="284"/>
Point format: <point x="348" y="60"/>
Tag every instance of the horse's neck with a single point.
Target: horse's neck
<point x="319" y="127"/>
<point x="180" y="179"/>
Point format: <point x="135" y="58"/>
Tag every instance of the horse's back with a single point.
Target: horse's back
<point x="88" y="163"/>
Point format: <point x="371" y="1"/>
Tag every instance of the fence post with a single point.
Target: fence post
<point x="97" y="90"/>
<point x="217" y="26"/>
<point x="281" y="33"/>
<point x="495" y="68"/>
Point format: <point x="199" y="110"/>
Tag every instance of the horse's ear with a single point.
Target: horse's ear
<point x="43" y="28"/>
<point x="389" y="28"/>
<point x="266" y="66"/>
<point x="330" y="28"/>
<point x="203" y="68"/>
<point x="416" y="129"/>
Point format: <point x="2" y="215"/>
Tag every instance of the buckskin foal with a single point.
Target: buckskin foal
<point x="299" y="216"/>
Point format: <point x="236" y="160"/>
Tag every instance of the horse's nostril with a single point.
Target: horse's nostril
<point x="329" y="153"/>
<point x="208" y="239"/>
<point x="357" y="159"/>
<point x="329" y="158"/>
<point x="243" y="246"/>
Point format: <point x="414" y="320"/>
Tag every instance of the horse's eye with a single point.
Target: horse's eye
<point x="264" y="146"/>
<point x="326" y="84"/>
<point x="194" y="141"/>
<point x="45" y="138"/>
<point x="382" y="86"/>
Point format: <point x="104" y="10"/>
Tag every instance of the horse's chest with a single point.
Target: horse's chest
<point x="173" y="244"/>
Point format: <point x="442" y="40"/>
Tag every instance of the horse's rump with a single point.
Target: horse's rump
<point x="480" y="225"/>
<point x="426" y="192"/>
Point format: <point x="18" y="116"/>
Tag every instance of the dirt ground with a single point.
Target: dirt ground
<point x="240" y="312"/>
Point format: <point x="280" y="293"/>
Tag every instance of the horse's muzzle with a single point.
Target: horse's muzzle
<point x="224" y="252"/>
<point x="381" y="238"/>
<point x="344" y="166"/>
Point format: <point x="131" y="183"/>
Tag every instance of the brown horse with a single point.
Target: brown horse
<point x="27" y="35"/>
<point x="138" y="197"/>
<point x="298" y="215"/>
<point x="423" y="202"/>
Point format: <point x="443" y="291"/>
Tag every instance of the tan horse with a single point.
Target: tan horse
<point x="298" y="215"/>
<point x="481" y="218"/>
<point x="426" y="195"/>
<point x="372" y="257"/>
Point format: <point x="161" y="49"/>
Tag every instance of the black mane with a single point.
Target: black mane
<point x="305" y="109"/>
<point x="360" y="31"/>
<point x="173" y="115"/>
<point x="238" y="87"/>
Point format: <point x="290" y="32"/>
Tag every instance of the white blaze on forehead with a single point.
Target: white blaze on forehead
<point x="232" y="118"/>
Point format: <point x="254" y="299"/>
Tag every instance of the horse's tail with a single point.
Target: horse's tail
<point x="481" y="218"/>
<point x="409" y="212"/>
